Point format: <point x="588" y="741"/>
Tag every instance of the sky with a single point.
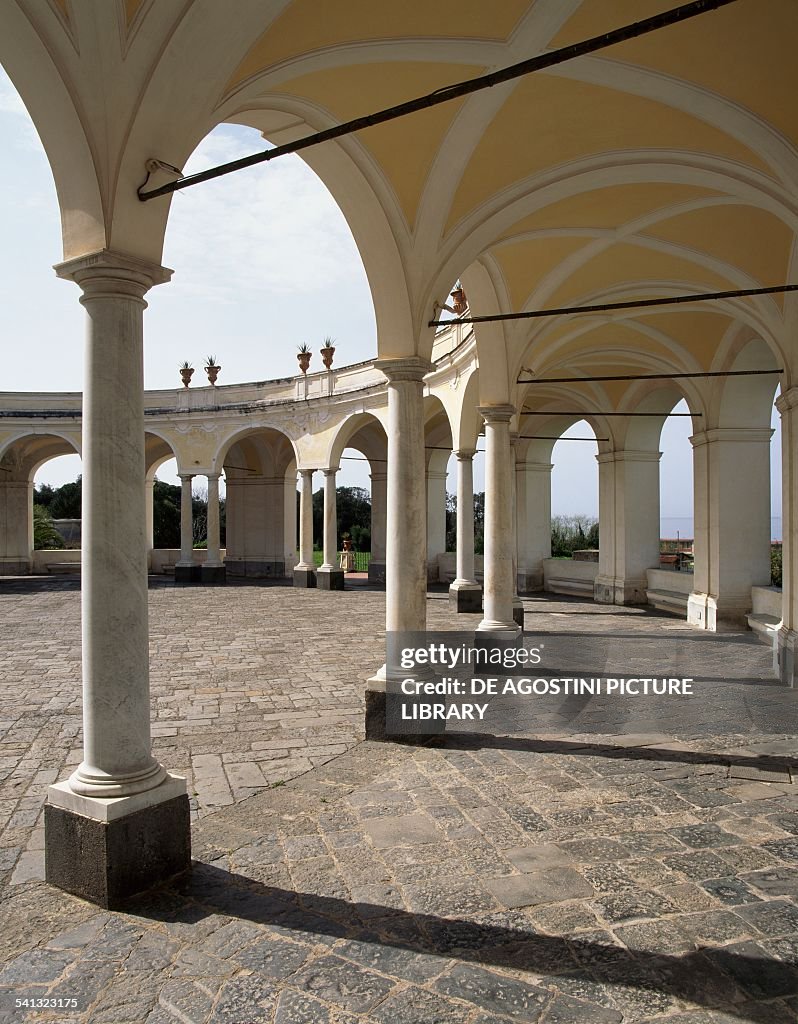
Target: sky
<point x="263" y="261"/>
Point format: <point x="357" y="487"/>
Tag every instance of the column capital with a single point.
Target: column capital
<point x="787" y="400"/>
<point x="186" y="476"/>
<point x="113" y="273"/>
<point x="464" y="454"/>
<point x="750" y="435"/>
<point x="306" y="472"/>
<point x="409" y="368"/>
<point x="213" y="476"/>
<point x="497" y="413"/>
<point x="628" y="455"/>
<point x="332" y="471"/>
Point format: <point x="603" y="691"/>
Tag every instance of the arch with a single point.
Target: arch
<point x="27" y="453"/>
<point x="365" y="433"/>
<point x="746" y="401"/>
<point x="157" y="450"/>
<point x="262" y="447"/>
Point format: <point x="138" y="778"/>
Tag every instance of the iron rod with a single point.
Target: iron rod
<point x="581" y="413"/>
<point x="645" y="376"/>
<point x="605" y="306"/>
<point x="447" y="93"/>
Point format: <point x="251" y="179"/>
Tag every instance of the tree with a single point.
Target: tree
<point x="45" y="534"/>
<point x="67" y="500"/>
<point x="353" y="506"/>
<point x="165" y="514"/>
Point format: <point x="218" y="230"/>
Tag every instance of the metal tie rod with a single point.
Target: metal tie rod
<point x="646" y="376"/>
<point x="447" y="93"/>
<point x="604" y="307"/>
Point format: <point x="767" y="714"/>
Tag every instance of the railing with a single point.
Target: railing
<point x="362" y="559"/>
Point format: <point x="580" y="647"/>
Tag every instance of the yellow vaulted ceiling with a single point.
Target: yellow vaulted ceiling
<point x="753" y="240"/>
<point x="732" y="52"/>
<point x="404" y="148"/>
<point x="525" y="263"/>
<point x="549" y="121"/>
<point x="607" y="207"/>
<point x="308" y="25"/>
<point x="626" y="265"/>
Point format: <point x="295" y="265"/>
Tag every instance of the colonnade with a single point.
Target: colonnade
<point x="119" y="779"/>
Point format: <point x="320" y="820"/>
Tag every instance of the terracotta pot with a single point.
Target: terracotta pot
<point x="459" y="301"/>
<point x="304" y="360"/>
<point x="213" y="373"/>
<point x="186" y="375"/>
<point x="327" y="354"/>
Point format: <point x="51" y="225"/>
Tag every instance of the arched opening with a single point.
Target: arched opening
<point x="360" y="450"/>
<point x="257" y="252"/>
<point x="438" y="450"/>
<point x="260" y="471"/>
<point x="51" y="522"/>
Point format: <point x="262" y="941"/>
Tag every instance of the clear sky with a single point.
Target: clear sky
<point x="263" y="261"/>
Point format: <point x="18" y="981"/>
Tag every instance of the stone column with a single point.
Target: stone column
<point x="406" y="520"/>
<point x="120" y="824"/>
<point x="379" y="500"/>
<point x="185" y="570"/>
<point x="465" y="594"/>
<point x="533" y="502"/>
<point x="436" y="520"/>
<point x="518" y="605"/>
<point x="787" y="404"/>
<point x="149" y="525"/>
<point x="498" y="601"/>
<point x="212" y="569"/>
<point x="628" y="525"/>
<point x="732" y="524"/>
<point x="16" y="527"/>
<point x="329" y="576"/>
<point x="305" y="569"/>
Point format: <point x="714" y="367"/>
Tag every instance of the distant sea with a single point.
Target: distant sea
<point x="682" y="526"/>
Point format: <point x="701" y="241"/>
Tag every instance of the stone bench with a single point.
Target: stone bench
<point x="668" y="600"/>
<point x="59" y="568"/>
<point x="764" y="625"/>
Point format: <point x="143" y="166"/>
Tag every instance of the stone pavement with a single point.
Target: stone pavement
<point x="582" y="877"/>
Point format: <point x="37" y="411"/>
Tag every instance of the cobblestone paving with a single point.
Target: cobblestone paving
<point x="568" y="879"/>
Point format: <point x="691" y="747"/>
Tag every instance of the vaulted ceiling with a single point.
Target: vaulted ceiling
<point x="665" y="165"/>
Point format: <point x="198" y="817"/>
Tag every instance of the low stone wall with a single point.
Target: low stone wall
<point x="162" y="560"/>
<point x="444" y="568"/>
<point x="668" y="589"/>
<point x="766" y="612"/>
<point x="62" y="557"/>
<point x="566" y="576"/>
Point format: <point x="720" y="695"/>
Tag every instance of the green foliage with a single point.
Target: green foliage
<point x="62" y="502"/>
<point x="165" y="515"/>
<point x="45" y="534"/>
<point x="353" y="505"/>
<point x="479" y="522"/>
<point x="573" y="533"/>
<point x="775" y="565"/>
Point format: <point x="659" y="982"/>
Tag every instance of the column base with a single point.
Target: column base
<point x="504" y="632"/>
<point x="705" y="611"/>
<point x="615" y="590"/>
<point x="256" y="569"/>
<point x="529" y="581"/>
<point x="330" y="579"/>
<point x="465" y="597"/>
<point x="109" y="850"/>
<point x="305" y="578"/>
<point x="187" y="573"/>
<point x="787" y="654"/>
<point x="15" y="566"/>
<point x="375" y="714"/>
<point x="377" y="571"/>
<point x="213" y="574"/>
<point x="518" y="612"/>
